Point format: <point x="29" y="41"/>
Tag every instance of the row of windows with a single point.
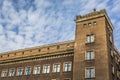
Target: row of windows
<point x="89" y="24"/>
<point x="67" y="66"/>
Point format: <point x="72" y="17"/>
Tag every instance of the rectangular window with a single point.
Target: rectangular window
<point x="84" y="25"/>
<point x="90" y="38"/>
<point x="89" y="24"/>
<point x="67" y="66"/>
<point x="94" y="23"/>
<point x="36" y="70"/>
<point x="90" y="55"/>
<point x="12" y="72"/>
<point x="90" y="73"/>
<point x="27" y="70"/>
<point x="113" y="69"/>
<point x="56" y="68"/>
<point x="110" y="37"/>
<point x="111" y="53"/>
<point x="19" y="71"/>
<point x="46" y="69"/>
<point x="4" y="73"/>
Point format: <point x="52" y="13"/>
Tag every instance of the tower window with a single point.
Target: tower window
<point x="90" y="73"/>
<point x="94" y="23"/>
<point x="89" y="24"/>
<point x="110" y="37"/>
<point x="84" y="25"/>
<point x="90" y="55"/>
<point x="90" y="38"/>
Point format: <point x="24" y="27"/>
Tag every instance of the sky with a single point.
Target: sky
<point x="30" y="23"/>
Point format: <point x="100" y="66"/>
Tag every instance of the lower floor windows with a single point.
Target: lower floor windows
<point x="4" y="73"/>
<point x="19" y="71"/>
<point x="90" y="73"/>
<point x="27" y="70"/>
<point x="12" y="72"/>
<point x="46" y="68"/>
<point x="36" y="70"/>
<point x="67" y="66"/>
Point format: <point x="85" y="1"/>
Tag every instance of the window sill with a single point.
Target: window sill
<point x="89" y="43"/>
<point x="93" y="78"/>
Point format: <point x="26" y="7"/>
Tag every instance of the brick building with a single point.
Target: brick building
<point x="91" y="56"/>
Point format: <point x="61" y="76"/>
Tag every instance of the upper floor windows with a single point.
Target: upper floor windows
<point x="90" y="73"/>
<point x="56" y="68"/>
<point x="67" y="66"/>
<point x="36" y="70"/>
<point x="19" y="71"/>
<point x="46" y="69"/>
<point x="90" y="24"/>
<point x="11" y="72"/>
<point x="90" y="38"/>
<point x="27" y="70"/>
<point x="90" y="55"/>
<point x="4" y="73"/>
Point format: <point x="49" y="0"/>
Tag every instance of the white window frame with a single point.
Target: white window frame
<point x="90" y="55"/>
<point x="46" y="68"/>
<point x="29" y="71"/>
<point x="89" y="71"/>
<point x="4" y="73"/>
<point x="19" y="73"/>
<point x="90" y="38"/>
<point x="37" y="69"/>
<point x="56" y="68"/>
<point x="67" y="68"/>
<point x="13" y="72"/>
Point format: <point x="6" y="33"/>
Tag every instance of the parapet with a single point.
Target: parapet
<point x="93" y="14"/>
<point x="39" y="50"/>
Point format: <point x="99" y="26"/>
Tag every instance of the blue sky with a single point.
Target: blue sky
<point x="29" y="23"/>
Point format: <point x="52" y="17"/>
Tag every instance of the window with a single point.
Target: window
<point x="110" y="38"/>
<point x="89" y="24"/>
<point x="90" y="38"/>
<point x="19" y="71"/>
<point x="46" y="68"/>
<point x="90" y="73"/>
<point x="67" y="66"/>
<point x="90" y="55"/>
<point x="27" y="70"/>
<point x="4" y="73"/>
<point x="56" y="68"/>
<point x="94" y="23"/>
<point x="84" y="25"/>
<point x="12" y="72"/>
<point x="111" y="53"/>
<point x="36" y="70"/>
<point x="113" y="69"/>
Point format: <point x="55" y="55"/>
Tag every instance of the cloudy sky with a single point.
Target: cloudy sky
<point x="29" y="23"/>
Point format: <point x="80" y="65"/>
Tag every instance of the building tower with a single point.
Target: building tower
<point x="93" y="47"/>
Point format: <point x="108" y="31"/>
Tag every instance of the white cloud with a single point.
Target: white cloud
<point x="45" y="22"/>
